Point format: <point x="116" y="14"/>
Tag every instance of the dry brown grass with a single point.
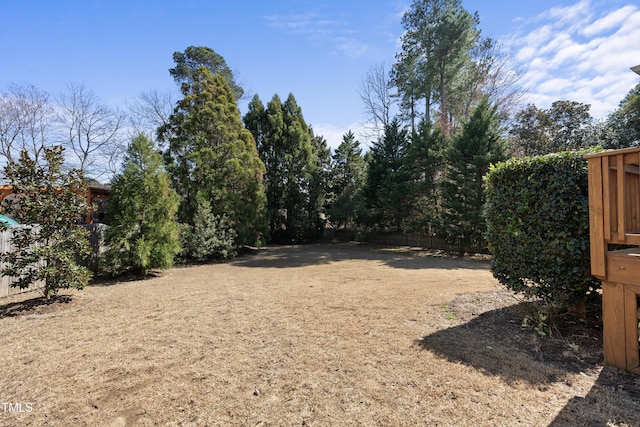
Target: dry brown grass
<point x="318" y="335"/>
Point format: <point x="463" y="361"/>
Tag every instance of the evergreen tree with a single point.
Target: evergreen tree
<point x="437" y="47"/>
<point x="267" y="126"/>
<point x="319" y="187"/>
<point x="285" y="147"/>
<point x="194" y="57"/>
<point x="468" y="157"/>
<point x="211" y="156"/>
<point x="388" y="180"/>
<point x="300" y="167"/>
<point x="211" y="236"/>
<point x="622" y="127"/>
<point x="255" y="121"/>
<point x="445" y="67"/>
<point x="348" y="174"/>
<point x="54" y="202"/>
<point x="426" y="164"/>
<point x="143" y="235"/>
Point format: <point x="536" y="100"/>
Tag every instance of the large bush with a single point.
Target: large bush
<point x="53" y="201"/>
<point x="212" y="237"/>
<point x="538" y="227"/>
<point x="143" y="235"/>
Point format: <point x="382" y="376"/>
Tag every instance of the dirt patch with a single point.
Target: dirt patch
<point x="311" y="335"/>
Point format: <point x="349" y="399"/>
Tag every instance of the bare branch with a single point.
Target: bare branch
<point x="92" y="130"/>
<point x="151" y="111"/>
<point x="500" y="82"/>
<point x="375" y="93"/>
<point x="25" y="121"/>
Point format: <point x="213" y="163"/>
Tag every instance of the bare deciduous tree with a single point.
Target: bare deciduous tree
<point x="91" y="130"/>
<point x="375" y="93"/>
<point x="150" y="111"/>
<point x="499" y="81"/>
<point x="26" y="120"/>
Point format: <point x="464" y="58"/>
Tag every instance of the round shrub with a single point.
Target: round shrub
<point x="538" y="227"/>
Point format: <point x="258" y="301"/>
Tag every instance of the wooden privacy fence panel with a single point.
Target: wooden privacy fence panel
<point x="5" y="281"/>
<point x="421" y="240"/>
<point x="405" y="239"/>
<point x="96" y="241"/>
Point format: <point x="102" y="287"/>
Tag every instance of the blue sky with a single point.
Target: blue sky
<point x="318" y="50"/>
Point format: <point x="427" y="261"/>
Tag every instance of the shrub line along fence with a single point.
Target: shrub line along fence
<point x="96" y="240"/>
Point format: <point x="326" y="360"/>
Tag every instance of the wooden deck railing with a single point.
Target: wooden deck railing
<point x="614" y="219"/>
<point x="614" y="203"/>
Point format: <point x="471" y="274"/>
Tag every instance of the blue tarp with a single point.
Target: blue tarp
<point x="8" y="222"/>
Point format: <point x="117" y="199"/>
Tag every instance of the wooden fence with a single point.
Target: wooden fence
<point x="421" y="240"/>
<point x="5" y="281"/>
<point x="96" y="240"/>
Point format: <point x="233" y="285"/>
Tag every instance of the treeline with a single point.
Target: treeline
<point x="196" y="180"/>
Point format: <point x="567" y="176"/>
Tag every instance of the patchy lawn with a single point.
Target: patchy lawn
<point x="317" y="335"/>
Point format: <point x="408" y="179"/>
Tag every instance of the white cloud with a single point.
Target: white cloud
<point x="568" y="53"/>
<point x="581" y="53"/>
<point x="335" y="32"/>
<point x="555" y="85"/>
<point x="568" y="12"/>
<point x="608" y="22"/>
<point x="570" y="16"/>
<point x="525" y="54"/>
<point x="350" y="47"/>
<point x="539" y="37"/>
<point x="305" y="24"/>
<point x="333" y="134"/>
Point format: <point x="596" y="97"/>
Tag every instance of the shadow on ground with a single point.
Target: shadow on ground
<point x="494" y="343"/>
<point x="37" y="305"/>
<point x="612" y="400"/>
<point x="104" y="280"/>
<point x="325" y="253"/>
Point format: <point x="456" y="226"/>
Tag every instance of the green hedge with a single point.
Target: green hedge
<point x="538" y="227"/>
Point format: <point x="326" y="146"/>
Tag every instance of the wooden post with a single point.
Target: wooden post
<point x="596" y="218"/>
<point x="613" y="324"/>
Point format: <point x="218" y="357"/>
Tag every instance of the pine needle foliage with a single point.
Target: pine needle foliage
<point x="143" y="234"/>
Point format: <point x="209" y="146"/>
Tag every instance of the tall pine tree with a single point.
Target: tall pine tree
<point x="348" y="174"/>
<point x="436" y="52"/>
<point x="388" y="180"/>
<point x="211" y="156"/>
<point x="477" y="146"/>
